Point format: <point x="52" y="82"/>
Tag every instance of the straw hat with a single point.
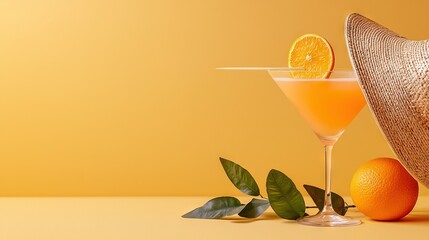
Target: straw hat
<point x="394" y="75"/>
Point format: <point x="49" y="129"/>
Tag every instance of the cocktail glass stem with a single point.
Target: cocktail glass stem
<point x="327" y="208"/>
<point x="327" y="216"/>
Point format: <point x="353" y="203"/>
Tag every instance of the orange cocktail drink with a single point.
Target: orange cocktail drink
<point x="328" y="105"/>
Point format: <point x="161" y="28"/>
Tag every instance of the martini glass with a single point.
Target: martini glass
<point x="328" y="106"/>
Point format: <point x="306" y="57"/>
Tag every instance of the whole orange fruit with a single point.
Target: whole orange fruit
<point x="383" y="190"/>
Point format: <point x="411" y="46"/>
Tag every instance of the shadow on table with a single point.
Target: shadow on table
<point x="417" y="216"/>
<point x="264" y="217"/>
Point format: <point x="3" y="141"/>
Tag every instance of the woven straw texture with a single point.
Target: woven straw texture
<point x="394" y="75"/>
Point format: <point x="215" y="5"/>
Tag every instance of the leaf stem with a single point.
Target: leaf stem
<point x="347" y="206"/>
<point x="310" y="206"/>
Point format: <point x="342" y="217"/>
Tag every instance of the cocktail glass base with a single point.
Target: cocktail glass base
<point x="328" y="219"/>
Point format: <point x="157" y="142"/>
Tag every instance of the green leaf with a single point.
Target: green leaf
<point x="240" y="177"/>
<point x="216" y="208"/>
<point x="254" y="208"/>
<point x="318" y="196"/>
<point x="284" y="197"/>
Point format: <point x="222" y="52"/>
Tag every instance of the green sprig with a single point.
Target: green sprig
<point x="283" y="197"/>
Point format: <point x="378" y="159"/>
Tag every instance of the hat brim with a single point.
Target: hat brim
<point x="393" y="73"/>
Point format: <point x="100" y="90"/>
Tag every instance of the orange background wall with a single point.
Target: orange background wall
<point x="122" y="97"/>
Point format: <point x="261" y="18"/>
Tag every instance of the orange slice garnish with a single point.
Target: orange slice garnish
<point x="313" y="53"/>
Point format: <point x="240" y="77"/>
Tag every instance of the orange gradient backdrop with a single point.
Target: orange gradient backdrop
<point x="122" y="97"/>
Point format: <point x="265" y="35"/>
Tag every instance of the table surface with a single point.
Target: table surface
<point x="160" y="218"/>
